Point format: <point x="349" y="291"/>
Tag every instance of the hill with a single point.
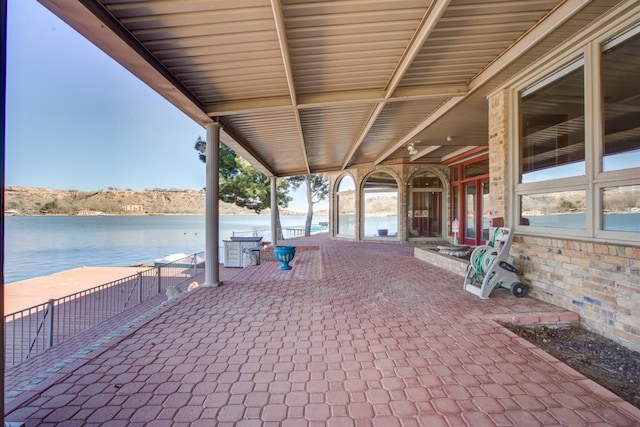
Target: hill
<point x="36" y="201"/>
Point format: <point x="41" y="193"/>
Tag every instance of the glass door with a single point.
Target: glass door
<point x="475" y="229"/>
<point x="425" y="206"/>
<point x="427" y="216"/>
<point x="470" y="229"/>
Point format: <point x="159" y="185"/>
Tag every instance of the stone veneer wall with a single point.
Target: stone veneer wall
<point x="449" y="263"/>
<point x="601" y="282"/>
<point x="498" y="154"/>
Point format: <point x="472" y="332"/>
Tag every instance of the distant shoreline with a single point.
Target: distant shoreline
<point x="31" y="201"/>
<point x="287" y="213"/>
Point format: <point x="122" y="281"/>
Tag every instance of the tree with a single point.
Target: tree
<point x="243" y="185"/>
<point x="51" y="207"/>
<point x="317" y="191"/>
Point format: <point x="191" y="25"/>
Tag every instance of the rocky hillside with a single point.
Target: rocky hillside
<point x="34" y="201"/>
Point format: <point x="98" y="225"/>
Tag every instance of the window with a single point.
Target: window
<point x="380" y="194"/>
<point x="579" y="145"/>
<point x="563" y="209"/>
<point x="621" y="208"/>
<point x="552" y="126"/>
<point x="346" y="207"/>
<point x="476" y="169"/>
<point x="621" y="94"/>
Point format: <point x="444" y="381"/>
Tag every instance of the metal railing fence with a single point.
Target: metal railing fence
<point x="33" y="330"/>
<point x="287" y="231"/>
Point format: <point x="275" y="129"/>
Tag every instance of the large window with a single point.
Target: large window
<point x="621" y="142"/>
<point x="346" y="207"/>
<point x="621" y="95"/>
<point x="552" y="126"/>
<point x="579" y="145"/>
<point x="380" y="196"/>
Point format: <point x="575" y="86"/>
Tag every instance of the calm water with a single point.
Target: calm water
<point x="41" y="245"/>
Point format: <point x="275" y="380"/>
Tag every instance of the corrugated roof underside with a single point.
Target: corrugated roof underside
<point x="330" y="131"/>
<point x="218" y="49"/>
<point x="470" y="35"/>
<point x="348" y="45"/>
<point x="274" y="137"/>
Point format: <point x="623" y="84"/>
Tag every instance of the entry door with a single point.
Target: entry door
<point x="427" y="213"/>
<point x="475" y="228"/>
<point x="470" y="230"/>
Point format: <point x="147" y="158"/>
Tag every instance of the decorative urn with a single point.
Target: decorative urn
<point x="284" y="255"/>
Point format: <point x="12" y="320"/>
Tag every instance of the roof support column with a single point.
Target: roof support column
<point x="274" y="210"/>
<point x="212" y="232"/>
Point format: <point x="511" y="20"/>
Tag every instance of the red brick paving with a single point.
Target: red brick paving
<point x="356" y="334"/>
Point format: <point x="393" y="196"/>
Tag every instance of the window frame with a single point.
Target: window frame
<point x="594" y="179"/>
<point x="352" y="193"/>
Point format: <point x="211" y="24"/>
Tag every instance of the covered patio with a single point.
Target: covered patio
<point x="357" y="334"/>
<point x="457" y="111"/>
<point x="391" y="96"/>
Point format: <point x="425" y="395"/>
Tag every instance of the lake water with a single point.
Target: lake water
<point x="41" y="245"/>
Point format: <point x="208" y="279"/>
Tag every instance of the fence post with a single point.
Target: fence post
<point x="159" y="280"/>
<point x="140" y="289"/>
<point x="51" y="314"/>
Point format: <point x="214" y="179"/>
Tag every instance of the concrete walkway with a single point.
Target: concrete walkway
<point x="357" y="334"/>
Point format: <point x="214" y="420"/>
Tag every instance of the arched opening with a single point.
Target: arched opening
<point x="346" y="207"/>
<point x="380" y="206"/>
<point x="426" y="206"/>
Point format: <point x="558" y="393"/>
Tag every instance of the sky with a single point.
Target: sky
<point x="76" y="119"/>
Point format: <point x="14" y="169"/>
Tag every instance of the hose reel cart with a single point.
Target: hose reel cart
<point x="488" y="268"/>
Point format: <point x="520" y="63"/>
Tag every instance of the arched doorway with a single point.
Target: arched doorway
<point x="380" y="206"/>
<point x="425" y="206"/>
<point x="346" y="207"/>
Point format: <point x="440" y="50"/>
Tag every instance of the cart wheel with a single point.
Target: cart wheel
<point x="518" y="290"/>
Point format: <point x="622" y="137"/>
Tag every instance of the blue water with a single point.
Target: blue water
<point x="41" y="245"/>
<point x="611" y="222"/>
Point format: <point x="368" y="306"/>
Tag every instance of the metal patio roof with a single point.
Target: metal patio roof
<point x="303" y="86"/>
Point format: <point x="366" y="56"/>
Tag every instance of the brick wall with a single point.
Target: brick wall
<point x="600" y="282"/>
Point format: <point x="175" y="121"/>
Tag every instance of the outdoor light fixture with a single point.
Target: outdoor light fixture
<point x="412" y="149"/>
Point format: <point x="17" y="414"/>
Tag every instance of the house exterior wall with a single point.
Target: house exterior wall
<point x="402" y="173"/>
<point x="589" y="275"/>
<point x="600" y="282"/>
<point x="498" y="154"/>
<point x="589" y="272"/>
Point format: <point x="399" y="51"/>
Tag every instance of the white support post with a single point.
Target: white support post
<point x="274" y="211"/>
<point x="212" y="232"/>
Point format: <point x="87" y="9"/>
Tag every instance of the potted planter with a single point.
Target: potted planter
<point x="284" y="255"/>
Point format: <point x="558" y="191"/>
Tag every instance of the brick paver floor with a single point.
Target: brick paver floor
<point x="357" y="334"/>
